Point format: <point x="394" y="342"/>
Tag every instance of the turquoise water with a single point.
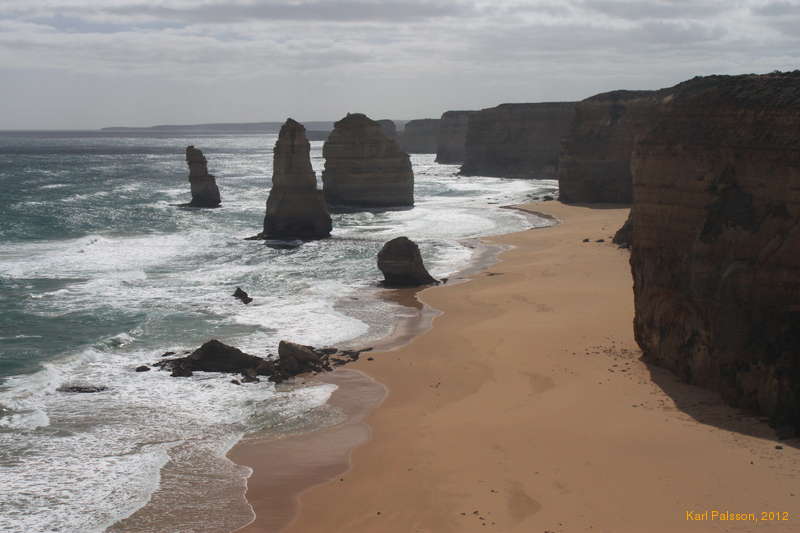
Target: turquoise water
<point x="101" y="272"/>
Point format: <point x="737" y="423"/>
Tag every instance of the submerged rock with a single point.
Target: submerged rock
<point x="205" y="192"/>
<point x="82" y="389"/>
<point x="364" y="167"/>
<point x="295" y="208"/>
<point x="401" y="264"/>
<point x="242" y="295"/>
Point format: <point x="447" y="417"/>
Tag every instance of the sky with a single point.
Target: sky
<point x="76" y="64"/>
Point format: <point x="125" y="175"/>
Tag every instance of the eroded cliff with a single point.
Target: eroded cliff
<point x="420" y="136"/>
<point x="716" y="239"/>
<point x="595" y="156"/>
<point x="452" y="140"/>
<point x="517" y="140"/>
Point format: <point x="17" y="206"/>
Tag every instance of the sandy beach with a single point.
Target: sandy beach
<point x="526" y="408"/>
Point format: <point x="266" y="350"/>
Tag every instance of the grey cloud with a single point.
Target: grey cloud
<point x="660" y="9"/>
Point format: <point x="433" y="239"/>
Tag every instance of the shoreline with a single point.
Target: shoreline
<point x="355" y="397"/>
<point x="588" y="437"/>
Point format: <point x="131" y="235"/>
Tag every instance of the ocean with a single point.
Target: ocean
<point x="101" y="271"/>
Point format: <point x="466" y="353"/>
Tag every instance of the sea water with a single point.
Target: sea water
<point x="101" y="271"/>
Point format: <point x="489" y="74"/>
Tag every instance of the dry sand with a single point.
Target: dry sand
<point x="526" y="409"/>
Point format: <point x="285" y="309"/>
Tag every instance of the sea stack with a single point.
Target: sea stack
<point x="295" y="208"/>
<point x="452" y="140"/>
<point x="401" y="264"/>
<point x="420" y="136"/>
<point x="716" y="239"/>
<point x="517" y="140"/>
<point x="205" y="192"/>
<point x="596" y="154"/>
<point x="364" y="168"/>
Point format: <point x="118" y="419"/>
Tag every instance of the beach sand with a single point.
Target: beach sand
<point x="525" y="408"/>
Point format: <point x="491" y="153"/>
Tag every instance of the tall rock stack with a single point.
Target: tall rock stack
<point x="420" y="136"/>
<point x="596" y="154"/>
<point x="716" y="239"/>
<point x="517" y="140"/>
<point x="365" y="168"/>
<point x="205" y="192"/>
<point x="295" y="208"/>
<point x="452" y="140"/>
<point x="389" y="128"/>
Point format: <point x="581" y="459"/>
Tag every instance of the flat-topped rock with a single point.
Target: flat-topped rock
<point x="452" y="140"/>
<point x="295" y="208"/>
<point x="420" y="136"/>
<point x="364" y="167"/>
<point x="205" y="192"/>
<point x="517" y="140"/>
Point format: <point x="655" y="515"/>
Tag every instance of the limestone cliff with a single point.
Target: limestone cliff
<point x="365" y="168"/>
<point x="389" y="128"/>
<point x="517" y="140"/>
<point x="451" y="144"/>
<point x="420" y="136"/>
<point x="716" y="239"/>
<point x="295" y="208"/>
<point x="595" y="156"/>
<point x="205" y="192"/>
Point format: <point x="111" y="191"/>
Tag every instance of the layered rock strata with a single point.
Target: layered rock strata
<point x="452" y="140"/>
<point x="205" y="192"/>
<point x="295" y="208"/>
<point x="716" y="239"/>
<point x="595" y="156"/>
<point x="420" y="136"/>
<point x="401" y="264"/>
<point x="517" y="140"/>
<point x="364" y="168"/>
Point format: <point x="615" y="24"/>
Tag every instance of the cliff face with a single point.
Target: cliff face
<point x="389" y="128"/>
<point x="452" y="141"/>
<point x="365" y="168"/>
<point x="595" y="156"/>
<point x="295" y="208"/>
<point x="517" y="140"/>
<point x="420" y="136"/>
<point x="716" y="239"/>
<point x="205" y="192"/>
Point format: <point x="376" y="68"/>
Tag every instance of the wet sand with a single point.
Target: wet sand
<point x="526" y="408"/>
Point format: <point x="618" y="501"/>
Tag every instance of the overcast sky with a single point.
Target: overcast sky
<point x="93" y="63"/>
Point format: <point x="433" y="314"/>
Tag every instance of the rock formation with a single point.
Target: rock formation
<point x="452" y="140"/>
<point x="295" y="208"/>
<point x="293" y="359"/>
<point x="389" y="128"/>
<point x="517" y="140"/>
<point x="401" y="264"/>
<point x="420" y="136"/>
<point x="596" y="154"/>
<point x="716" y="232"/>
<point x="242" y="296"/>
<point x="365" y="168"/>
<point x="624" y="235"/>
<point x="205" y="192"/>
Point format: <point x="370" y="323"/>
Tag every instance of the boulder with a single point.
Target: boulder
<point x="401" y="264"/>
<point x="295" y="208"/>
<point x="517" y="140"/>
<point x="205" y="192"/>
<point x="364" y="168"/>
<point x="716" y="233"/>
<point x="420" y="136"/>
<point x="624" y="235"/>
<point x="242" y="295"/>
<point x="295" y="358"/>
<point x="452" y="139"/>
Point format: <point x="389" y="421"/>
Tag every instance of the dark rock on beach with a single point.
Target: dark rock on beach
<point x="402" y="265"/>
<point x="205" y="192"/>
<point x="624" y="235"/>
<point x="142" y="368"/>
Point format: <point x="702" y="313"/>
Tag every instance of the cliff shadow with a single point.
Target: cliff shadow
<point x="707" y="407"/>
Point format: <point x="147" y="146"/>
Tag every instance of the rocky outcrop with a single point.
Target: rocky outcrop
<point x="517" y="140"/>
<point x="595" y="156"/>
<point x="452" y="141"/>
<point x="624" y="235"/>
<point x="716" y="232"/>
<point x="365" y="168"/>
<point x="293" y="359"/>
<point x="401" y="264"/>
<point x="242" y="296"/>
<point x="420" y="136"/>
<point x="389" y="128"/>
<point x="205" y="192"/>
<point x="295" y="208"/>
